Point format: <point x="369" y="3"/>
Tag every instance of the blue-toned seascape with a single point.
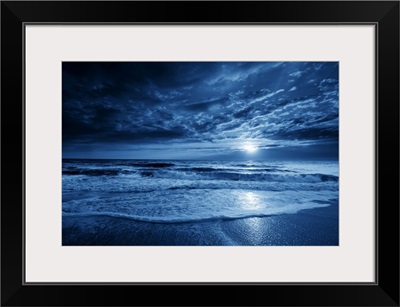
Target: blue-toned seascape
<point x="184" y="202"/>
<point x="200" y="153"/>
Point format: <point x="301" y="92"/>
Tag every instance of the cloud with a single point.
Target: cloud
<point x="296" y="74"/>
<point x="170" y="103"/>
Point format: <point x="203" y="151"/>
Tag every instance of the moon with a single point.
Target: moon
<point x="250" y="148"/>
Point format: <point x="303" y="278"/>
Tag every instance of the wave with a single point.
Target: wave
<point x="159" y="220"/>
<point x="193" y="192"/>
<point x="146" y="185"/>
<point x="203" y="173"/>
<point x="179" y="220"/>
<point x="196" y="205"/>
<point x="238" y="176"/>
<point x="198" y="169"/>
<point x="226" y="169"/>
<point x="92" y="172"/>
<point x="154" y="165"/>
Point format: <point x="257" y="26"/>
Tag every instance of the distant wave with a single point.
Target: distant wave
<point x="159" y="220"/>
<point x="237" y="176"/>
<point x="198" y="169"/>
<point x="203" y="173"/>
<point x="155" y="165"/>
<point x="92" y="172"/>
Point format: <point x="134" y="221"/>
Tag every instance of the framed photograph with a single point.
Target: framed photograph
<point x="240" y="147"/>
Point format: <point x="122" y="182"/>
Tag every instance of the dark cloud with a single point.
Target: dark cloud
<point x="308" y="134"/>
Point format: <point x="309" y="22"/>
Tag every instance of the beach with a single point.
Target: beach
<point x="310" y="227"/>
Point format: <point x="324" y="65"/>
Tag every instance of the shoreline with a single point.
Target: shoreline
<point x="308" y="227"/>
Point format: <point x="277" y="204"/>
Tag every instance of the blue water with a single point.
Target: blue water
<point x="160" y="191"/>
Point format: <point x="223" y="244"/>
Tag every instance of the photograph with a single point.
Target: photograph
<point x="200" y="153"/>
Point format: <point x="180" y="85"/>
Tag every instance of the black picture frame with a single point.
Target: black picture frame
<point x="383" y="14"/>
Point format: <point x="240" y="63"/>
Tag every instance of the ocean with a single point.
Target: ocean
<point x="159" y="193"/>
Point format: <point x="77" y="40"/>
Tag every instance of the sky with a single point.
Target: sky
<point x="200" y="110"/>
